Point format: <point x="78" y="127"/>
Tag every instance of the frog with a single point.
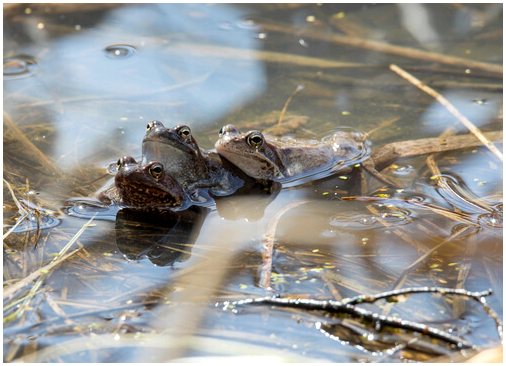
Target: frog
<point x="177" y="150"/>
<point x="291" y="160"/>
<point x="192" y="167"/>
<point x="146" y="185"/>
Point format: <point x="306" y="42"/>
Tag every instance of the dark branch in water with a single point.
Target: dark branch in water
<point x="415" y="290"/>
<point x="348" y="306"/>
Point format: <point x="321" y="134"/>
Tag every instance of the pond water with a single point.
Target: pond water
<point x="82" y="81"/>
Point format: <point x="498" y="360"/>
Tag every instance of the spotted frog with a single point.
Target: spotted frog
<point x="146" y="185"/>
<point x="289" y="160"/>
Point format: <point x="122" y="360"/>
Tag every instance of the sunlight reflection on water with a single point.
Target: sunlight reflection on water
<point x="79" y="75"/>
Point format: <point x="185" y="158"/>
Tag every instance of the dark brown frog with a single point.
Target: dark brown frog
<point x="146" y="185"/>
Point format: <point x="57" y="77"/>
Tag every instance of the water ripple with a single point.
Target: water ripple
<point x="119" y="51"/>
<point x="19" y="66"/>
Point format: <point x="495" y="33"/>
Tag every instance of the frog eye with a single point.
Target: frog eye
<point x="156" y="170"/>
<point x="228" y="129"/>
<point x="184" y="131"/>
<point x="255" y="139"/>
<point x="153" y="124"/>
<point x="125" y="160"/>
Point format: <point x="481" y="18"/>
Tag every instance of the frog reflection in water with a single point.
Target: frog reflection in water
<point x="288" y="159"/>
<point x="146" y="185"/>
<point x="192" y="167"/>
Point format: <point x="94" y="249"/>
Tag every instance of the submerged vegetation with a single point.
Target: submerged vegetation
<point x="377" y="263"/>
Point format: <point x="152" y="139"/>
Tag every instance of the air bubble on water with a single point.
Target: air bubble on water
<point x="225" y="26"/>
<point x="367" y="220"/>
<point x="403" y="170"/>
<point x="19" y="66"/>
<point x="395" y="215"/>
<point x="303" y="43"/>
<point x="119" y="51"/>
<point x="480" y="101"/>
<point x="33" y="222"/>
<point x="88" y="208"/>
<point x="349" y="222"/>
<point x="328" y="233"/>
<point x="247" y="24"/>
<point x="493" y="219"/>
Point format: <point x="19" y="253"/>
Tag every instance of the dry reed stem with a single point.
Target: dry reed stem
<point x="268" y="245"/>
<point x="29" y="147"/>
<point x="443" y="184"/>
<point x="46" y="270"/>
<point x="206" y="50"/>
<point x="450" y="107"/>
<point x="401" y="280"/>
<point x="385" y="154"/>
<point x="383" y="47"/>
<point x="397" y="232"/>
<point x="333" y="290"/>
<point x="383" y="124"/>
<point x="288" y="100"/>
<point x="24" y="213"/>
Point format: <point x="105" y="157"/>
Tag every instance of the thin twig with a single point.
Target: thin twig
<point x="45" y="270"/>
<point x="285" y="106"/>
<point x="28" y="146"/>
<point x="337" y="307"/>
<point x="381" y="125"/>
<point x="347" y="306"/>
<point x="449" y="106"/>
<point x="424" y="256"/>
<point x="12" y="331"/>
<point x="361" y="299"/>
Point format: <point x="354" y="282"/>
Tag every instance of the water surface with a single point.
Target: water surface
<point x="82" y="82"/>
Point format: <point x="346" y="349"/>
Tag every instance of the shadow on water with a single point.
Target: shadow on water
<point x="163" y="237"/>
<point x="109" y="284"/>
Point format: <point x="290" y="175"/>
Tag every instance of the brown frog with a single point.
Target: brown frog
<point x="192" y="167"/>
<point x="146" y="185"/>
<point x="287" y="159"/>
<point x="178" y="152"/>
